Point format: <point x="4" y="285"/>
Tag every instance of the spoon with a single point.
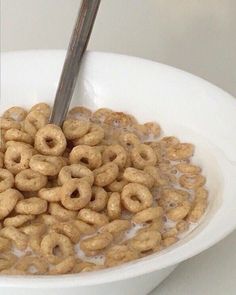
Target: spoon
<point x="78" y="44"/>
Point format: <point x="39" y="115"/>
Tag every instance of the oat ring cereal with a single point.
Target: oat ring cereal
<point x="52" y="241"/>
<point x="75" y="171"/>
<point x="102" y="190"/>
<point x="86" y="155"/>
<point x="136" y="197"/>
<point x="6" y="180"/>
<point x="17" y="114"/>
<point x="75" y="194"/>
<point x="17" y="158"/>
<point x="74" y="129"/>
<point x="30" y="181"/>
<point x="143" y="155"/>
<point x="50" y="140"/>
<point x="46" y="165"/>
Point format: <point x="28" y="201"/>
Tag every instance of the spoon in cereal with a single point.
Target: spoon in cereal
<point x="78" y="44"/>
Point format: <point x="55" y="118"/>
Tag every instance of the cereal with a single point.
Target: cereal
<point x="42" y="108"/>
<point x="93" y="137"/>
<point x="114" y="206"/>
<point x="6" y="180"/>
<point x="143" y="155"/>
<point x="30" y="181"/>
<point x="86" y="155"/>
<point x="46" y="165"/>
<point x="138" y="176"/>
<point x="92" y="246"/>
<point x="105" y="174"/>
<point x="103" y="186"/>
<point x="8" y="200"/>
<point x="99" y="199"/>
<point x="93" y="218"/>
<point x="115" y="154"/>
<point x="34" y="121"/>
<point x="32" y="206"/>
<point x="50" y="140"/>
<point x="17" y="114"/>
<point x="75" y="194"/>
<point x="136" y="197"/>
<point x="53" y="240"/>
<point x="75" y="171"/>
<point x="17" y="158"/>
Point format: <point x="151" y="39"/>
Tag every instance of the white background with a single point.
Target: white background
<point x="195" y="35"/>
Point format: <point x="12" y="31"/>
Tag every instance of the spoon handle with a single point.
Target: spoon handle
<point x="76" y="49"/>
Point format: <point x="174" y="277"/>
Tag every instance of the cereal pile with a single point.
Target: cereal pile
<point x="98" y="192"/>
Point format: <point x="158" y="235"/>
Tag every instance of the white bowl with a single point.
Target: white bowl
<point x="183" y="104"/>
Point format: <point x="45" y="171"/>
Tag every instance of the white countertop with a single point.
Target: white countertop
<point x="212" y="272"/>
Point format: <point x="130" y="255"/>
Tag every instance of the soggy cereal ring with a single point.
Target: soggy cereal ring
<point x="32" y="206"/>
<point x="105" y="174"/>
<point x="120" y="254"/>
<point x="80" y="113"/>
<point x="34" y="121"/>
<point x="143" y="155"/>
<point x="52" y="241"/>
<point x="74" y="129"/>
<point x="160" y="179"/>
<point x="6" y="180"/>
<point x="171" y="198"/>
<point x="46" y="165"/>
<point x="148" y="215"/>
<point x="93" y="137"/>
<point x="5" y="245"/>
<point x="8" y="200"/>
<point x="199" y="205"/>
<point x="33" y="229"/>
<point x="17" y="220"/>
<point x="99" y="199"/>
<point x="43" y="108"/>
<point x="17" y="114"/>
<point x="118" y="184"/>
<point x="82" y="191"/>
<point x="68" y="229"/>
<point x="18" y="135"/>
<point x="182" y="226"/>
<point x="180" y="151"/>
<point x="116" y="226"/>
<point x="101" y="115"/>
<point x="47" y="219"/>
<point x="168" y="141"/>
<point x="188" y="168"/>
<point x="85" y="266"/>
<point x="7" y="260"/>
<point x="86" y="155"/>
<point x="32" y="265"/>
<point x="169" y="241"/>
<point x="17" y="158"/>
<point x="50" y="140"/>
<point x="136" y="197"/>
<point x="63" y="267"/>
<point x="92" y="218"/>
<point x="61" y="213"/>
<point x="119" y="119"/>
<point x="50" y="194"/>
<point x="29" y="180"/>
<point x="152" y="129"/>
<point x="1" y="159"/>
<point x="192" y="181"/>
<point x="92" y="246"/>
<point x="18" y="144"/>
<point x="129" y="140"/>
<point x="2" y="141"/>
<point x="145" y="241"/>
<point x="6" y="124"/>
<point x="84" y="228"/>
<point x="75" y="171"/>
<point x="114" y="206"/>
<point x="138" y="176"/>
<point x="115" y="154"/>
<point x="19" y="239"/>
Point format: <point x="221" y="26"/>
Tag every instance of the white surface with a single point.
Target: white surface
<point x="34" y="75"/>
<point x="198" y="36"/>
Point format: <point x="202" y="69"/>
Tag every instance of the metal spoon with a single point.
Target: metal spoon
<point x="76" y="49"/>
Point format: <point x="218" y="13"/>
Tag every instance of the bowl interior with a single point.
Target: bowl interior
<point x="184" y="105"/>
